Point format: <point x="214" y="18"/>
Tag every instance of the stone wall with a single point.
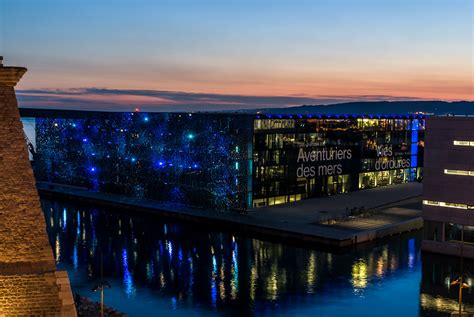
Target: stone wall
<point x="28" y="281"/>
<point x="24" y="244"/>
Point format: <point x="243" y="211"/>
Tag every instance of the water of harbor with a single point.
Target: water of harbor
<point x="158" y="267"/>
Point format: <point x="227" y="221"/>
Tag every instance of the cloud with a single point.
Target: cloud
<point x="161" y="100"/>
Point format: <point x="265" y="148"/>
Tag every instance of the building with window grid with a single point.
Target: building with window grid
<point x="226" y="161"/>
<point x="448" y="205"/>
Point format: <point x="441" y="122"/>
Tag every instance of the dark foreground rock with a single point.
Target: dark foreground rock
<point x="87" y="308"/>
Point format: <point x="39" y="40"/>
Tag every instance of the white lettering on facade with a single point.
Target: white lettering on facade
<point x="387" y="151"/>
<point x="321" y="155"/>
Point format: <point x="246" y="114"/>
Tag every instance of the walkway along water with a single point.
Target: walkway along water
<point x="297" y="222"/>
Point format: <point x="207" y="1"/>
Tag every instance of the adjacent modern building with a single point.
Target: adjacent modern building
<point x="226" y="161"/>
<point x="448" y="205"/>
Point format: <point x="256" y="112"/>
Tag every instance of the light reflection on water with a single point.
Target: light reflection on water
<point x="159" y="267"/>
<point x="359" y="276"/>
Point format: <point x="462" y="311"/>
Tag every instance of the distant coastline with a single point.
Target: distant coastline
<point x="357" y="108"/>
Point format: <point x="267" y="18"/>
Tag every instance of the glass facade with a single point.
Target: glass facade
<point x="297" y="157"/>
<point x="226" y="161"/>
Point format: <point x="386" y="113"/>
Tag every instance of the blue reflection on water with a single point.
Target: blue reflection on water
<point x="75" y="259"/>
<point x="170" y="249"/>
<point x="235" y="271"/>
<point x="64" y="219"/>
<point x="127" y="277"/>
<point x="78" y="225"/>
<point x="219" y="272"/>
<point x="213" y="281"/>
<point x="411" y="253"/>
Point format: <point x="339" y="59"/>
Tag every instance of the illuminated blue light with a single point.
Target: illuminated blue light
<point x="127" y="276"/>
<point x="146" y="119"/>
<point x="170" y="249"/>
<point x="64" y="218"/>
<point x="75" y="258"/>
<point x="73" y="125"/>
<point x="214" y="292"/>
<point x="411" y="253"/>
<point x="152" y="149"/>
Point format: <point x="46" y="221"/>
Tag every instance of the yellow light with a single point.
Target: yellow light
<point x="359" y="274"/>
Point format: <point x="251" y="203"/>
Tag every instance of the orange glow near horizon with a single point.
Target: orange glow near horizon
<point x="325" y="49"/>
<point x="430" y="85"/>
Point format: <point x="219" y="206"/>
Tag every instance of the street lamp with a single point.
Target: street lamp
<point x="460" y="282"/>
<point x="101" y="286"/>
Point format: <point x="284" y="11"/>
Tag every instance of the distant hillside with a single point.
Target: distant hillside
<point x="382" y="107"/>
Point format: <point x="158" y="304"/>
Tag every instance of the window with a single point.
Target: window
<point x="454" y="233"/>
<point x="430" y="203"/>
<point x="446" y="204"/>
<point x="463" y="143"/>
<point x="459" y="172"/>
<point x="453" y="205"/>
<point x="268" y="124"/>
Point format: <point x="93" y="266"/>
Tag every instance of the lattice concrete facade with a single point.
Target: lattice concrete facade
<point x="29" y="283"/>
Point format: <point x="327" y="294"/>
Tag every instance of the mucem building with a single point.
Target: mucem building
<point x="225" y="161"/>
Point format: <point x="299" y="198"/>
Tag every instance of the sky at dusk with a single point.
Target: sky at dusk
<point x="234" y="54"/>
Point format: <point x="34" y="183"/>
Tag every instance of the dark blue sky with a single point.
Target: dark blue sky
<point x="318" y="49"/>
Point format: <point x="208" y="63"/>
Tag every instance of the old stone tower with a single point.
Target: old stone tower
<point x="29" y="283"/>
